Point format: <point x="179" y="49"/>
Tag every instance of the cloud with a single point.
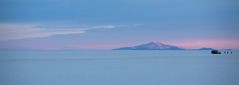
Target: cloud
<point x="25" y="31"/>
<point x="105" y="26"/>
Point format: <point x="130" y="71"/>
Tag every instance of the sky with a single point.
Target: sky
<point x="107" y="24"/>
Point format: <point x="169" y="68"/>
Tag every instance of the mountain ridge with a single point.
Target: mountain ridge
<point x="158" y="46"/>
<point x="151" y="46"/>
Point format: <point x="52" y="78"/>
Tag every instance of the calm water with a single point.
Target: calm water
<point x="118" y="68"/>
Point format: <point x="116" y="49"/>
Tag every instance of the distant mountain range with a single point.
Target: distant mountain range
<point x="151" y="46"/>
<point x="205" y="49"/>
<point x="157" y="46"/>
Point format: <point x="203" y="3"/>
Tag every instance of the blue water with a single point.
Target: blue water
<point x="118" y="68"/>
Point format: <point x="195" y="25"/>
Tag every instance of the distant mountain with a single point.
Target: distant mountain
<point x="227" y="49"/>
<point x="151" y="46"/>
<point x="205" y="49"/>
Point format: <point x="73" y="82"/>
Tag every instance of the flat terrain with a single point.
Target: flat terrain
<point x="118" y="68"/>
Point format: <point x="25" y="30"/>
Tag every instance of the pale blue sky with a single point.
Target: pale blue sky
<point x="106" y="24"/>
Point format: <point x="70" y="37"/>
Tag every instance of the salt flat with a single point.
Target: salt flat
<point x="118" y="68"/>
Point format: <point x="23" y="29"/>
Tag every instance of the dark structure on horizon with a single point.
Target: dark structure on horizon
<point x="215" y="52"/>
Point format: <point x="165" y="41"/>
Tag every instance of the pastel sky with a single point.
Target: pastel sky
<point x="107" y="24"/>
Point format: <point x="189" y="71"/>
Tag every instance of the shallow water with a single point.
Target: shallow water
<point x="118" y="68"/>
